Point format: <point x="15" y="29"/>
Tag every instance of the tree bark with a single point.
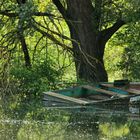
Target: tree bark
<point x="25" y="50"/>
<point x="83" y="22"/>
<point x="22" y="38"/>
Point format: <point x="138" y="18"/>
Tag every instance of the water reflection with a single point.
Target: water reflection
<point x="33" y="121"/>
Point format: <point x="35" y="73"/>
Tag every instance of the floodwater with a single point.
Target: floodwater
<point x="32" y="122"/>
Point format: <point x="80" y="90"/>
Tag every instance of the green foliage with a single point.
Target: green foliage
<point x="40" y="46"/>
<point x="123" y="54"/>
<point x="130" y="63"/>
<point x="37" y="79"/>
<point x="113" y="56"/>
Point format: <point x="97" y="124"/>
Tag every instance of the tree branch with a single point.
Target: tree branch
<point x="60" y="7"/>
<point x="21" y="2"/>
<point x="10" y="14"/>
<point x="55" y="33"/>
<point x="44" y="14"/>
<point x="107" y="33"/>
<point x="21" y="37"/>
<point x="52" y="38"/>
<point x="7" y="13"/>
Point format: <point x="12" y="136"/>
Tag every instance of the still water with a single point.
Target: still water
<point x="36" y="122"/>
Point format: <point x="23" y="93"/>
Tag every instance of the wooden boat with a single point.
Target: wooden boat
<point x="108" y="93"/>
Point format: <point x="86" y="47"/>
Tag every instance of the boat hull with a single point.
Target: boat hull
<point x="89" y="95"/>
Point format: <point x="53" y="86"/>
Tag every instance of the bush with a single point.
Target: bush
<point x="33" y="81"/>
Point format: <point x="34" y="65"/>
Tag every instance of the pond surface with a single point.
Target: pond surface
<point x="35" y="122"/>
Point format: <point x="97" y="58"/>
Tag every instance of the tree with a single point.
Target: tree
<point x="91" y="24"/>
<point x="20" y="33"/>
<point x="84" y="21"/>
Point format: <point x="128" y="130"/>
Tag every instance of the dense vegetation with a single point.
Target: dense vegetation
<point x="52" y="44"/>
<point x="43" y="42"/>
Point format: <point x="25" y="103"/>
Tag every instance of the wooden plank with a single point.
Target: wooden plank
<point x="111" y="93"/>
<point x="97" y="97"/>
<point x="134" y="83"/>
<point x="129" y="90"/>
<point x="52" y="99"/>
<point x="111" y="100"/>
<point x="133" y="91"/>
<point x="109" y="86"/>
<point x="63" y="97"/>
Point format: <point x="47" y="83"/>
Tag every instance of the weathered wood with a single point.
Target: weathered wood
<point x="97" y="97"/>
<point x="129" y="90"/>
<point x="133" y="91"/>
<point x="93" y="95"/>
<point x="135" y="83"/>
<point x="63" y="97"/>
<point x="111" y="93"/>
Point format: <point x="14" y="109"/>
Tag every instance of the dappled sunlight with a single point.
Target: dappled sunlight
<point x="113" y="131"/>
<point x="73" y="123"/>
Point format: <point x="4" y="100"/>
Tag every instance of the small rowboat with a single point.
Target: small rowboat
<point x="108" y="93"/>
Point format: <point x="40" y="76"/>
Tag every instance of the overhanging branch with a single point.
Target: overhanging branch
<point x="107" y="33"/>
<point x="12" y="14"/>
<point x="60" y="7"/>
<point x="55" y="33"/>
<point x="9" y="14"/>
<point x="52" y="38"/>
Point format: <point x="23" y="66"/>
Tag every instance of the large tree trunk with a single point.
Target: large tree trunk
<point x="88" y="54"/>
<point x="88" y="48"/>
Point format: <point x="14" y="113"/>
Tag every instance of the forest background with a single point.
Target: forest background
<point x="48" y="44"/>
